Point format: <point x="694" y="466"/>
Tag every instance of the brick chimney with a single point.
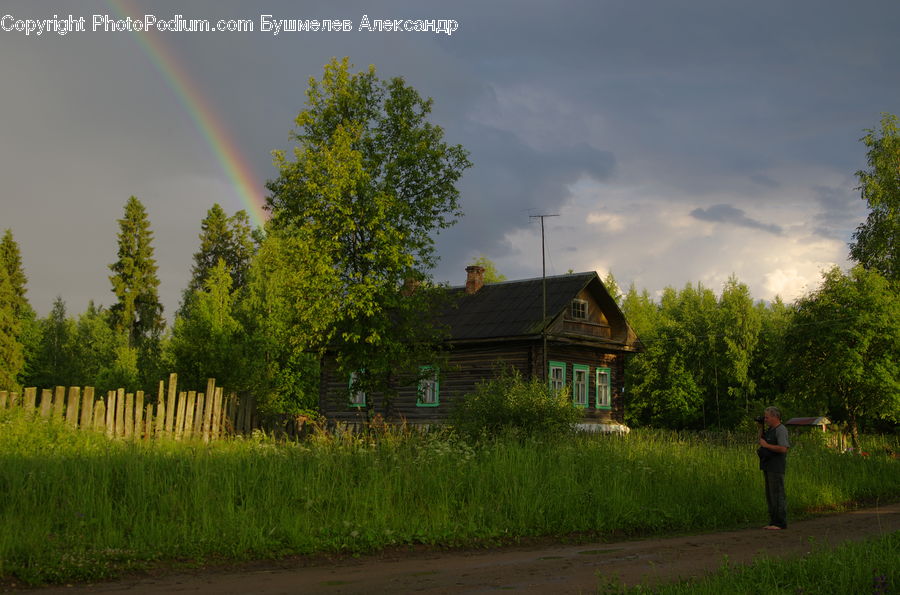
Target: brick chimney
<point x="474" y="278"/>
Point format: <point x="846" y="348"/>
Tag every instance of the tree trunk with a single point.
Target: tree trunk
<point x="854" y="430"/>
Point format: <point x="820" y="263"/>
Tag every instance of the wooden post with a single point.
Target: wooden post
<point x="179" y="415"/>
<point x="4" y="397"/>
<point x="111" y="413"/>
<point x="59" y="401"/>
<point x="160" y="408"/>
<point x="29" y="400"/>
<point x="198" y="415"/>
<point x="217" y="414"/>
<point x="149" y="430"/>
<point x="170" y="402"/>
<point x="129" y="415"/>
<point x="138" y="415"/>
<point x="99" y="415"/>
<point x="189" y="413"/>
<point x="207" y="413"/>
<point x="72" y="407"/>
<point x="120" y="412"/>
<point x="87" y="408"/>
<point x="46" y="402"/>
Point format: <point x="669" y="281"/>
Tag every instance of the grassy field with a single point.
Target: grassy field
<point x="77" y="506"/>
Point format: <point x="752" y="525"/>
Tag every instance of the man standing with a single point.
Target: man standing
<point x="773" y="447"/>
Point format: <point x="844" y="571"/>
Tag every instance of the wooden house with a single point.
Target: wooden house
<point x="581" y="343"/>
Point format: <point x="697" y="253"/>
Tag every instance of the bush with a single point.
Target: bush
<point x="511" y="404"/>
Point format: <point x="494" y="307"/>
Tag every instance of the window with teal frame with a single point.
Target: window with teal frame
<point x="580" y="385"/>
<point x="603" y="389"/>
<point x="557" y="376"/>
<point x="429" y="389"/>
<point x="357" y="397"/>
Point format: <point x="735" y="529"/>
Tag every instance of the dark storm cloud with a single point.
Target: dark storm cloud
<point x="697" y="100"/>
<point x="729" y="214"/>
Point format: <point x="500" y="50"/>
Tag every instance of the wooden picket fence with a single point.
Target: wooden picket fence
<point x="177" y="415"/>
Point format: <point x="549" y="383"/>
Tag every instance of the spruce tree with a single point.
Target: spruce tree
<point x="12" y="360"/>
<point x="137" y="312"/>
<point x="229" y="239"/>
<point x="12" y="262"/>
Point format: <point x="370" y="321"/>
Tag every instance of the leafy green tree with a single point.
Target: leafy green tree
<point x="207" y="341"/>
<point x="491" y="275"/>
<point x="640" y="311"/>
<point x="137" y="312"/>
<point x="769" y="370"/>
<point x="609" y="281"/>
<point x="370" y="183"/>
<point x="12" y="359"/>
<point x="52" y="364"/>
<point x="738" y="331"/>
<point x="95" y="349"/>
<point x="876" y="243"/>
<point x="283" y="374"/>
<point x="845" y="348"/>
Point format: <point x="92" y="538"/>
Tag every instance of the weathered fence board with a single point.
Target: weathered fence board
<point x="178" y="415"/>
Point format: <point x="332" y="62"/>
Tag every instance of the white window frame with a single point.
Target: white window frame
<point x="557" y="383"/>
<point x="604" y="388"/>
<point x="582" y="313"/>
<point x="429" y="387"/>
<point x="357" y="397"/>
<point x="580" y="385"/>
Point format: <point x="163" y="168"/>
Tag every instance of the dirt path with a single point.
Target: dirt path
<point x="539" y="569"/>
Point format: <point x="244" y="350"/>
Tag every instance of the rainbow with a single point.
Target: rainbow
<point x="203" y="113"/>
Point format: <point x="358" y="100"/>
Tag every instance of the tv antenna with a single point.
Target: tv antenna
<point x="544" y="285"/>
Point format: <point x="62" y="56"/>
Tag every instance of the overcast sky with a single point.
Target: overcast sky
<point x="677" y="141"/>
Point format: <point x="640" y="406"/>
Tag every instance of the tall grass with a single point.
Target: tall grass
<point x="76" y="506"/>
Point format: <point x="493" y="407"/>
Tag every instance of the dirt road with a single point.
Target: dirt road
<point x="538" y="569"/>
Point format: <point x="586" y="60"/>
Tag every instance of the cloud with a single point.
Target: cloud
<point x="733" y="216"/>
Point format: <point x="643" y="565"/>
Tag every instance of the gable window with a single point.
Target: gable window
<point x="429" y="387"/>
<point x="580" y="385"/>
<point x="357" y="397"/>
<point x="579" y="309"/>
<point x="603" y="390"/>
<point x="557" y="376"/>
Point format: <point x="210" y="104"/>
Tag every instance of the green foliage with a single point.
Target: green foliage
<point x="876" y="243"/>
<point x="53" y="364"/>
<point x="137" y="312"/>
<point x="229" y="239"/>
<point x="11" y="260"/>
<point x="609" y="281"/>
<point x="370" y="183"/>
<point x="12" y="358"/>
<point x="490" y="269"/>
<point x="207" y="341"/>
<point x="511" y="404"/>
<point x="845" y="348"/>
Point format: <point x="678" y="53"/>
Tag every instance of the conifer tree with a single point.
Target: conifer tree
<point x="12" y="359"/>
<point x="224" y="238"/>
<point x="137" y="312"/>
<point x="12" y="262"/>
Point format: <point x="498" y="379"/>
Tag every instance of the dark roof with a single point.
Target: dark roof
<point x="511" y="308"/>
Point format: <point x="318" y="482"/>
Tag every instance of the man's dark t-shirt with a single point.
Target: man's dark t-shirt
<point x="771" y="461"/>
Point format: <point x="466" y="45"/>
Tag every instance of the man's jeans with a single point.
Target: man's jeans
<point x="776" y="499"/>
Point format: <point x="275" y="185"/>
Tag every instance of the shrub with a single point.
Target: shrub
<point x="511" y="404"/>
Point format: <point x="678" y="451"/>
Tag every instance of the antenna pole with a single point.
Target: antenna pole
<point x="544" y="288"/>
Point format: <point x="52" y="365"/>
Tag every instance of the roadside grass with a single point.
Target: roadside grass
<point x="76" y="506"/>
<point x="870" y="566"/>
